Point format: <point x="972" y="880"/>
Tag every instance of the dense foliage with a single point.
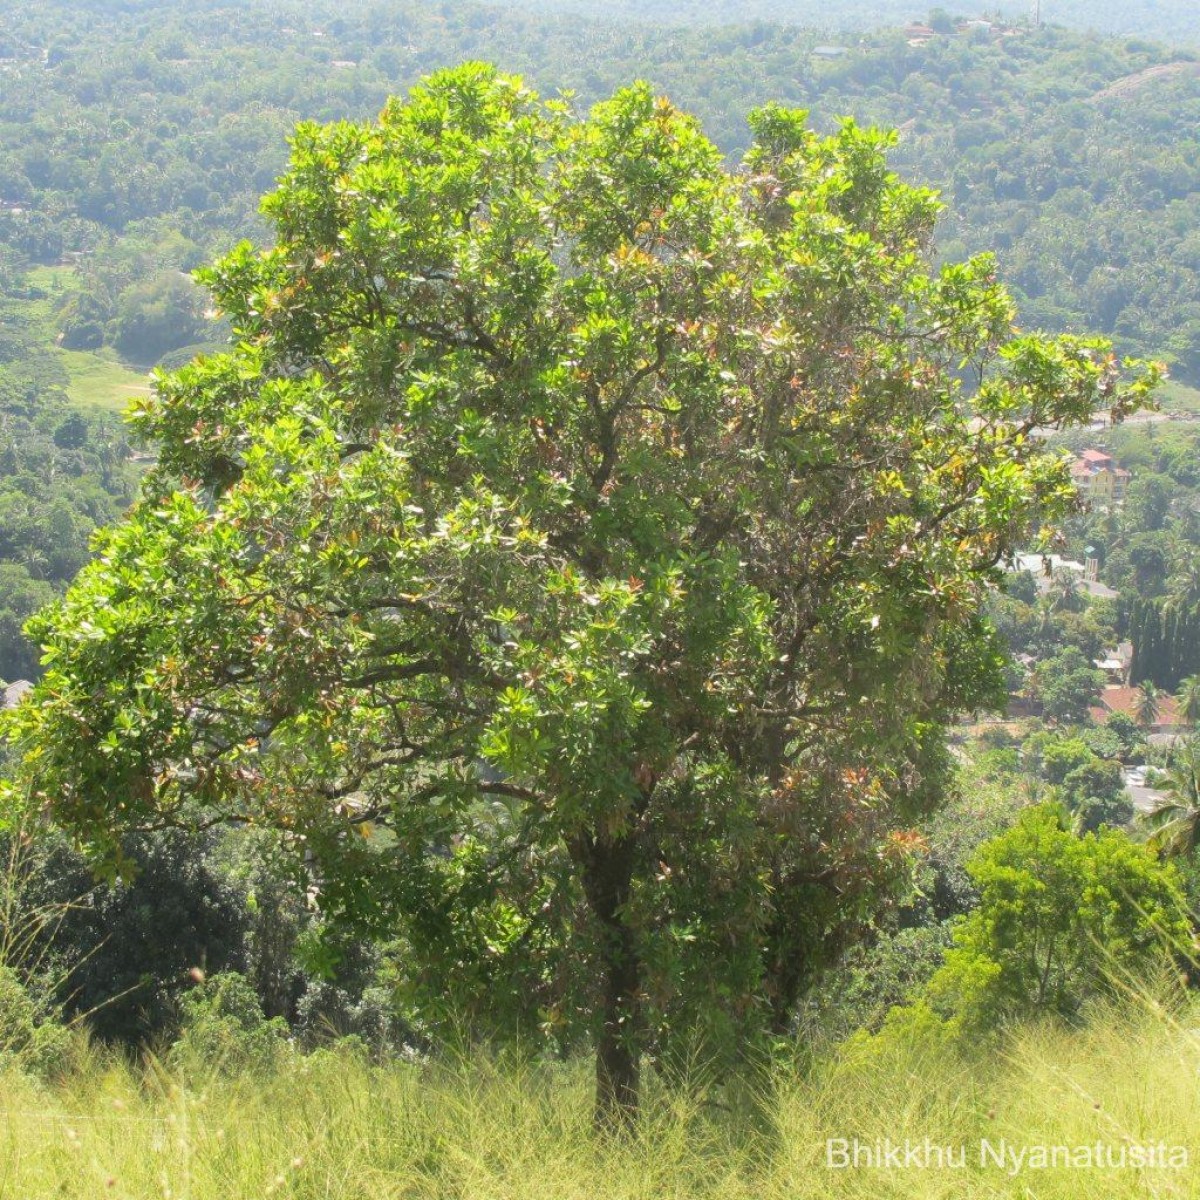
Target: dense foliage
<point x="134" y="142"/>
<point x="1061" y="919"/>
<point x="1173" y="20"/>
<point x="62" y="474"/>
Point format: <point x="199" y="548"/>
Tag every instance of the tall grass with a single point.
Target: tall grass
<point x="332" y="1126"/>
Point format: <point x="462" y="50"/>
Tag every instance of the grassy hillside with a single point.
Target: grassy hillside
<point x="95" y="379"/>
<point x="100" y="380"/>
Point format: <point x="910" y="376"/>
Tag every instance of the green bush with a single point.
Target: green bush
<point x="873" y="978"/>
<point x="1060" y="918"/>
<point x="124" y="948"/>
<point x="31" y="1039"/>
<point x="224" y="1029"/>
<point x="1091" y="786"/>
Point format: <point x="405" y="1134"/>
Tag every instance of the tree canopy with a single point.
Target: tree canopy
<point x="577" y="555"/>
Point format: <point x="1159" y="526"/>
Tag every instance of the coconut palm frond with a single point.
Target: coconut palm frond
<point x="1175" y="821"/>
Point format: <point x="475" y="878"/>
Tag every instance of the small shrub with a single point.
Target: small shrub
<point x="224" y="1029"/>
<point x="31" y="1039"/>
<point x="1060" y="918"/>
<point x="327" y="1012"/>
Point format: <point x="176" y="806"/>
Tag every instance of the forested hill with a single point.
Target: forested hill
<point x="1176" y="21"/>
<point x="1171" y="20"/>
<point x="137" y="140"/>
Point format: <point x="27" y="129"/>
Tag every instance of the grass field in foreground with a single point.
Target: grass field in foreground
<point x="332" y="1127"/>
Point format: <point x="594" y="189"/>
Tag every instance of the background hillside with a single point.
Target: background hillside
<point x="1175" y="20"/>
<point x="136" y="142"/>
<point x="137" y="138"/>
<point x="1169" y="20"/>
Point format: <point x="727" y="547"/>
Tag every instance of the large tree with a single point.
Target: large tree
<point x="577" y="556"/>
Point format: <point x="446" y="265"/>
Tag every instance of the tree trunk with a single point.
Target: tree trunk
<point x="607" y="875"/>
<point x="783" y="960"/>
<point x="618" y="1065"/>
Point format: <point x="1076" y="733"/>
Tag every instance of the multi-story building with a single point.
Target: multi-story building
<point x="1099" y="479"/>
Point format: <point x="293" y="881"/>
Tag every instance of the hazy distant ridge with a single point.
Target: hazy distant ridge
<point x="1169" y="20"/>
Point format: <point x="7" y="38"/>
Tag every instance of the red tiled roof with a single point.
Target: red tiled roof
<point x="1124" y="700"/>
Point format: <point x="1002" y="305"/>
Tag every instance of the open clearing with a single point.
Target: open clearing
<point x="100" y="380"/>
<point x="97" y="379"/>
<point x="1179" y="398"/>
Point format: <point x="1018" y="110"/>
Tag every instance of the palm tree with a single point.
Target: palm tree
<point x="1045" y="629"/>
<point x="1109" y="530"/>
<point x="1147" y="704"/>
<point x="1066" y="592"/>
<point x="1185" y="581"/>
<point x="1175" y="820"/>
<point x="1189" y="699"/>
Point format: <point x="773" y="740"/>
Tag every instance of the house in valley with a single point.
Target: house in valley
<point x="1099" y="479"/>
